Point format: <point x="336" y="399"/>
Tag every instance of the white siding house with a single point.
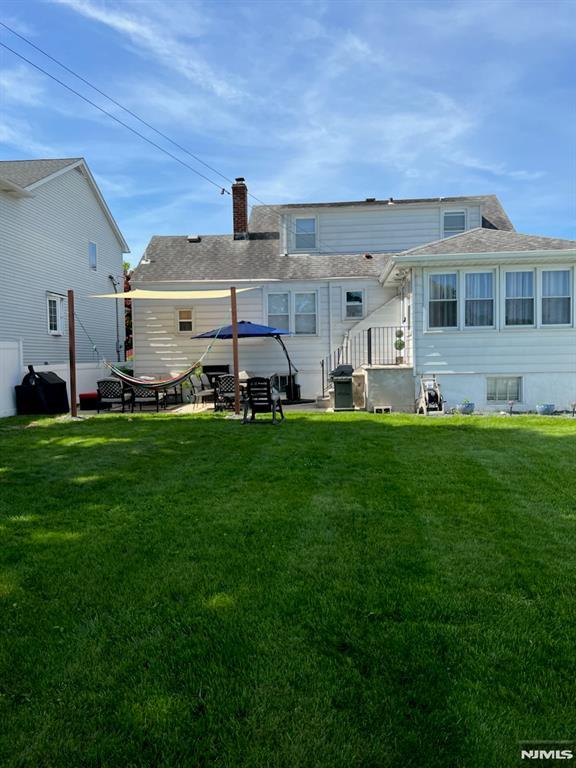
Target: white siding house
<point x="327" y="272"/>
<point x="57" y="233"/>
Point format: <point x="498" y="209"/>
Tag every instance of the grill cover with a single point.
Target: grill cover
<point x="41" y="393"/>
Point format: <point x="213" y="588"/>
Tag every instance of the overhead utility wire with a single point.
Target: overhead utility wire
<point x="116" y="103"/>
<point x="136" y="117"/>
<point x="128" y="111"/>
<point x="116" y="119"/>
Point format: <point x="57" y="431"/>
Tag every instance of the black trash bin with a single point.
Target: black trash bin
<point x="41" y="393"/>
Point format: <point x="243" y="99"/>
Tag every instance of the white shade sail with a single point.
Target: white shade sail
<point x="139" y="293"/>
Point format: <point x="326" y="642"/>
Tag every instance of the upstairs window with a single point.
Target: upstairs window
<point x="305" y="234"/>
<point x="279" y="311"/>
<point x="519" y="298"/>
<point x="443" y="304"/>
<point x="305" y="320"/>
<point x="479" y="311"/>
<point x="354" y="305"/>
<point x="556" y="297"/>
<point x="54" y="312"/>
<point x="92" y="256"/>
<point x="185" y="321"/>
<point x="454" y="223"/>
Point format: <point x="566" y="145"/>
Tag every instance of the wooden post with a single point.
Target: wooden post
<point x="72" y="353"/>
<point x="234" y="313"/>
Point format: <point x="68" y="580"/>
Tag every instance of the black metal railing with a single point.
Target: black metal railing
<point x="373" y="346"/>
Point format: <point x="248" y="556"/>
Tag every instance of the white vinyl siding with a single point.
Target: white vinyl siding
<point x="305" y="313"/>
<point x="44" y="249"/>
<point x="443" y="302"/>
<point x="556" y="297"/>
<point x="184" y="320"/>
<point x="504" y="389"/>
<point x="520" y="304"/>
<point x="279" y="311"/>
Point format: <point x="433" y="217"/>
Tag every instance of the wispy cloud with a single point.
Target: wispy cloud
<point x="20" y="85"/>
<point x="18" y="134"/>
<point x="164" y="32"/>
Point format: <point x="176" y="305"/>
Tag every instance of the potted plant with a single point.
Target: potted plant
<point x="465" y="407"/>
<point x="399" y="345"/>
<point x="545" y="409"/>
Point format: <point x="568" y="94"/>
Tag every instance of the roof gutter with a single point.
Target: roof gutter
<point x="423" y="260"/>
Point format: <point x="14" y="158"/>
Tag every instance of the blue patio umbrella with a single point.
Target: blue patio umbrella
<point x="248" y="330"/>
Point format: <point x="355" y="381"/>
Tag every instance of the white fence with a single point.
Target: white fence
<point x="12" y="371"/>
<point x="10" y="374"/>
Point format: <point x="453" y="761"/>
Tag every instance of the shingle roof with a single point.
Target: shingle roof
<point x="266" y="217"/>
<point x="220" y="257"/>
<point x="27" y="172"/>
<point x="490" y="241"/>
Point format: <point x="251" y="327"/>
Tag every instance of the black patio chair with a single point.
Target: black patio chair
<point x="261" y="397"/>
<point x="111" y="392"/>
<point x="224" y="392"/>
<point x="146" y="396"/>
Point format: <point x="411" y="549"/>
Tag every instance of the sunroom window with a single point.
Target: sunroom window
<point x="479" y="310"/>
<point x="556" y="297"/>
<point x="519" y="298"/>
<point x="443" y="303"/>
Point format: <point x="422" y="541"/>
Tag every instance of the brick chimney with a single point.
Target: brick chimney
<point x="240" y="208"/>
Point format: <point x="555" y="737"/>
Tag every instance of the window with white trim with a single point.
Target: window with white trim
<point x="354" y="305"/>
<point x="556" y="297"/>
<point x="92" y="256"/>
<point x="443" y="301"/>
<point x="54" y="313"/>
<point x="479" y="299"/>
<point x="504" y="389"/>
<point x="454" y="223"/>
<point x="519" y="298"/>
<point x="305" y="234"/>
<point x="305" y="314"/>
<point x="184" y="319"/>
<point x="279" y="311"/>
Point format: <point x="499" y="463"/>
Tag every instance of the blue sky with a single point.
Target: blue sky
<point x="310" y="101"/>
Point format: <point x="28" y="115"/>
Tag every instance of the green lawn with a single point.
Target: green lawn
<point x="339" y="591"/>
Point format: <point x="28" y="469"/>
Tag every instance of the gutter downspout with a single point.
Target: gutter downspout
<point x="329" y="319"/>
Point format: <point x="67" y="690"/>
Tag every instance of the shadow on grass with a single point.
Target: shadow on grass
<point x="347" y="590"/>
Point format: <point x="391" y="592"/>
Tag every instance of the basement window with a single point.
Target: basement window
<point x="504" y="389"/>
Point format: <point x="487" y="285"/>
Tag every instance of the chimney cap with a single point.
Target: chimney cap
<point x="240" y="180"/>
<point x="370" y="199"/>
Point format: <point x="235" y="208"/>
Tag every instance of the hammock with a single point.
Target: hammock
<point x="158" y="384"/>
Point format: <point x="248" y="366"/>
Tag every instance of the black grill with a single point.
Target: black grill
<point x="342" y="371"/>
<point x="41" y="393"/>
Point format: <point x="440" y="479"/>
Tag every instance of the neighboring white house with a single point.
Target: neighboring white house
<point x="345" y="277"/>
<point x="56" y="233"/>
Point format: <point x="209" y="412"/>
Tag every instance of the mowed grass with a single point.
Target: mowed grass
<point x="338" y="591"/>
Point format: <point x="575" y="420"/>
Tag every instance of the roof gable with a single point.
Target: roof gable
<point x="482" y="240"/>
<point x="28" y="175"/>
